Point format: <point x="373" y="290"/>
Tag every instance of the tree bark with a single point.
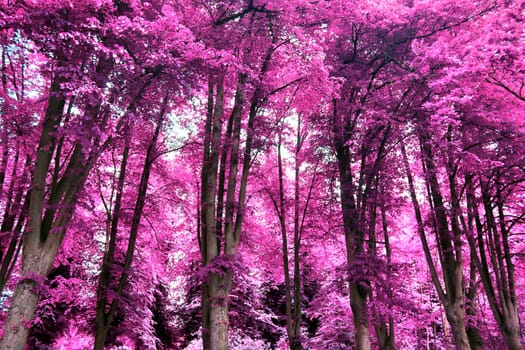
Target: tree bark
<point x="353" y="242"/>
<point x="11" y="255"/>
<point x="219" y="319"/>
<point x="104" y="318"/>
<point x="353" y="234"/>
<point x="500" y="290"/>
<point x="292" y="320"/>
<point x="215" y="245"/>
<point x="37" y="255"/>
<point x="449" y="245"/>
<point x="452" y="296"/>
<point x="474" y="336"/>
<point x="385" y="331"/>
<point x="23" y="306"/>
<point x="101" y="320"/>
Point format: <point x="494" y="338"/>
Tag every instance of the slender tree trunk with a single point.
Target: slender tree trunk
<point x="13" y="250"/>
<point x="104" y="318"/>
<point x="452" y="297"/>
<point x="298" y="230"/>
<point x="5" y="157"/>
<point x="281" y="211"/>
<point x="292" y="326"/>
<point x="206" y="217"/>
<point x="102" y="323"/>
<point x="16" y="207"/>
<point x="384" y="330"/>
<point x="500" y="293"/>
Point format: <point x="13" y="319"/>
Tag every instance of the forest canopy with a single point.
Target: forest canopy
<point x="262" y="174"/>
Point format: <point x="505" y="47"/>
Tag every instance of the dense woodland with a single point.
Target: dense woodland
<point x="262" y="174"/>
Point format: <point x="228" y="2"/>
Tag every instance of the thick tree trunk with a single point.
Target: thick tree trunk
<point x="20" y="315"/>
<point x="358" y="295"/>
<point x="210" y="245"/>
<point x="219" y="319"/>
<point x="353" y="235"/>
<point x="213" y="243"/>
<point x="359" y="307"/>
<point x="456" y="318"/>
<point x="511" y="331"/>
<point x="449" y="247"/>
<point x="37" y="256"/>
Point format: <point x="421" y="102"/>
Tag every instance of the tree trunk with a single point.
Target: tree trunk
<point x="101" y="333"/>
<point x="5" y="154"/>
<point x="9" y="259"/>
<point x="37" y="256"/>
<point x="474" y="336"/>
<point x="20" y="315"/>
<point x="501" y="294"/>
<point x="357" y="294"/>
<point x="511" y="331"/>
<point x="104" y="318"/>
<point x="456" y="318"/>
<point x="102" y="323"/>
<point x="353" y="235"/>
<point x="358" y="306"/>
<point x="219" y="319"/>
<point x="210" y="244"/>
<point x="213" y="243"/>
<point x="449" y="247"/>
<point x="452" y="297"/>
<point x="281" y="212"/>
<point x="298" y="231"/>
<point x="293" y="321"/>
<point x="385" y="331"/>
